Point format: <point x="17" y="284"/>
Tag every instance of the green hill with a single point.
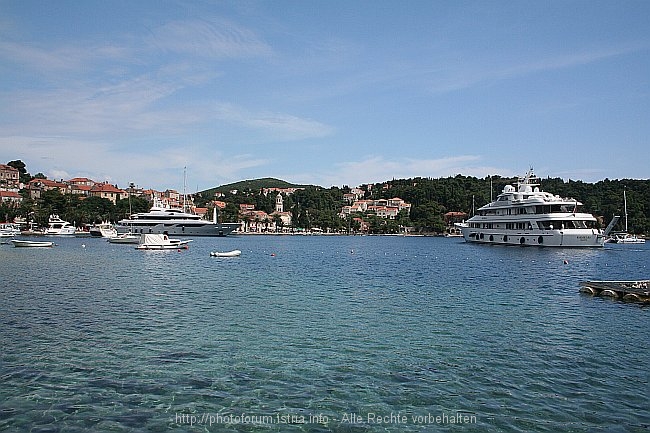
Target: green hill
<point x="251" y="185"/>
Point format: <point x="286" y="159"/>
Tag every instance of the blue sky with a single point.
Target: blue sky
<point x="324" y="92"/>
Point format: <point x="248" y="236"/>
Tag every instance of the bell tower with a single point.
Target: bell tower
<point x="279" y="206"/>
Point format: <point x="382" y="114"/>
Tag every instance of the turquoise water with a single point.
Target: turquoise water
<point x="318" y="334"/>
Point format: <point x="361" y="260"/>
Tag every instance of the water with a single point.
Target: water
<point x="318" y="334"/>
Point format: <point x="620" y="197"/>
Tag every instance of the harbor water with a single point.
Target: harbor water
<point x="320" y="334"/>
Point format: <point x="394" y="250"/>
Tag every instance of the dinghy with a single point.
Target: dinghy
<point x="20" y="243"/>
<point x="233" y="253"/>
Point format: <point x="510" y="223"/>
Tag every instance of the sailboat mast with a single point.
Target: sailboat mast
<point x="625" y="206"/>
<point x="184" y="187"/>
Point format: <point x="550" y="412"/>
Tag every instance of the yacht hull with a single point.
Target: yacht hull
<point x="541" y="238"/>
<point x="204" y="228"/>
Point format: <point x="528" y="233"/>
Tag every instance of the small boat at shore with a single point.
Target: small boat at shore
<point x="625" y="237"/>
<point x="161" y="242"/>
<point x="103" y="230"/>
<point x="21" y="243"/>
<point x="125" y="238"/>
<point x="9" y="230"/>
<point x="233" y="253"/>
<point x="58" y="227"/>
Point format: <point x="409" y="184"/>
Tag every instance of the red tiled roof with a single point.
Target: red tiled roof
<point x="106" y="187"/>
<point x="48" y="183"/>
<point x="7" y="167"/>
<point x="10" y="194"/>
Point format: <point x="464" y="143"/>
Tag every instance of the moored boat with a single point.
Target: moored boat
<point x="22" y="243"/>
<point x="58" y="227"/>
<point x="161" y="242"/>
<point x="625" y="237"/>
<point x="103" y="230"/>
<point x="174" y="221"/>
<point x="9" y="230"/>
<point x="125" y="238"/>
<point x="524" y="215"/>
<point x="233" y="253"/>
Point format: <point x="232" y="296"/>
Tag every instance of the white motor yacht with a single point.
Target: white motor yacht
<point x="56" y="226"/>
<point x="524" y="215"/>
<point x="174" y="221"/>
<point x="104" y="230"/>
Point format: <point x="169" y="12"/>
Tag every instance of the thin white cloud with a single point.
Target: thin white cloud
<point x="64" y="158"/>
<point x="281" y="125"/>
<point x="209" y="38"/>
<point x="87" y="111"/>
<point x="374" y="169"/>
<point x="466" y="76"/>
<point x="51" y="61"/>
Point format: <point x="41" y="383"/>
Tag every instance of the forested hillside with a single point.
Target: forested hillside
<point x="314" y="206"/>
<point x="432" y="198"/>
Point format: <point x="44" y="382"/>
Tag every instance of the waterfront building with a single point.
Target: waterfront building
<point x="9" y="177"/>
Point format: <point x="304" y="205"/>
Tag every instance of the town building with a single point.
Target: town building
<point x="108" y="191"/>
<point x="81" y="181"/>
<point x="37" y="186"/>
<point x="9" y="177"/>
<point x="383" y="208"/>
<point x="11" y="197"/>
<point x="286" y="191"/>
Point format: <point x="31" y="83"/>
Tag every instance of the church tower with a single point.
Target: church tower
<point x="279" y="206"/>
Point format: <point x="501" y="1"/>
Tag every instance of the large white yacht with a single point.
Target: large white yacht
<point x="56" y="226"/>
<point x="162" y="219"/>
<point x="524" y="215"/>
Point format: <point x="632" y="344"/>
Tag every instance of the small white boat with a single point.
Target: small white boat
<point x="9" y="230"/>
<point x="233" y="253"/>
<point x="126" y="238"/>
<point x="103" y="230"/>
<point x="625" y="237"/>
<point x="160" y="242"/>
<point x="21" y="243"/>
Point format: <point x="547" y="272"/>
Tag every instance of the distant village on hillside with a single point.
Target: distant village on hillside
<point x="13" y="191"/>
<point x="420" y="205"/>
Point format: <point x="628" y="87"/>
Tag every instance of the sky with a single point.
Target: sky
<point x="196" y="94"/>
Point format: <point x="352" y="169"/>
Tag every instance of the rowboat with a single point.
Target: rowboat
<point x="21" y="243"/>
<point x="233" y="253"/>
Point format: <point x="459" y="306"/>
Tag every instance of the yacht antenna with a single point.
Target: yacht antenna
<point x="491" y="189"/>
